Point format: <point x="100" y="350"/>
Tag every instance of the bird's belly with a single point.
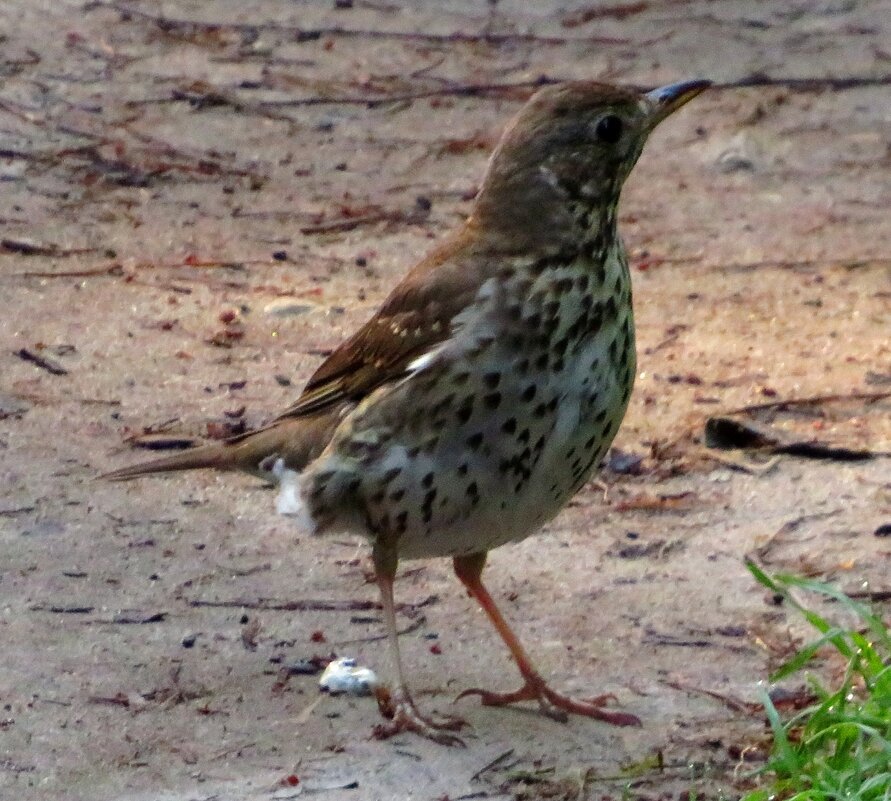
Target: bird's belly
<point x="487" y="441"/>
<point x="526" y="466"/>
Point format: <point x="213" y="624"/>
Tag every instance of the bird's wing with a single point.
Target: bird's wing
<point x="415" y="318"/>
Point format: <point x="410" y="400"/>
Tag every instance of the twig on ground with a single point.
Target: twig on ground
<point x="43" y="362"/>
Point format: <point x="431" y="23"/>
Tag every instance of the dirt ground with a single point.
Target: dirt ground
<point x="193" y="215"/>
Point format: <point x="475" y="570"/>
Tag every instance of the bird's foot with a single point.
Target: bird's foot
<point x="553" y="704"/>
<point x="402" y="715"/>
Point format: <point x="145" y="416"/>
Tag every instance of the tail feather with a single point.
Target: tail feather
<point x="295" y="441"/>
<point x="212" y="455"/>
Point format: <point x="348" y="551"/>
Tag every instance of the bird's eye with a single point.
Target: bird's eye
<point x="609" y="129"/>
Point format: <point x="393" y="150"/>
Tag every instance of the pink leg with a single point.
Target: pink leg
<point x="469" y="570"/>
<point x="399" y="707"/>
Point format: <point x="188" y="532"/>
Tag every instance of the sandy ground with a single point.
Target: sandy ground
<point x="193" y="215"/>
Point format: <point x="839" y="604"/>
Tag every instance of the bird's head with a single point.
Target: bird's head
<point x="565" y="155"/>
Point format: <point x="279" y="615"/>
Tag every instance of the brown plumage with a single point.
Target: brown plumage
<point x="490" y="383"/>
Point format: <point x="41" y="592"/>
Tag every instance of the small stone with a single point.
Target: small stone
<point x="287" y="307"/>
<point x="189" y="640"/>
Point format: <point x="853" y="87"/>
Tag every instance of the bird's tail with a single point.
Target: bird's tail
<point x="215" y="454"/>
<point x="296" y="441"/>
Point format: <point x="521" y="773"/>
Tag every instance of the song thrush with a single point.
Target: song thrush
<point x="483" y="393"/>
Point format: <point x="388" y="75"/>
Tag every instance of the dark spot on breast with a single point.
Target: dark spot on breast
<point x="529" y="393"/>
<point x="595" y="248"/>
<point x="391" y="474"/>
<point x="542" y="361"/>
<point x="540" y="410"/>
<point x="598" y="270"/>
<point x="539" y="266"/>
<point x="559" y="347"/>
<point x="510" y="425"/>
<point x="522" y="366"/>
<point x="397" y="495"/>
<point x="558" y="365"/>
<point x="427" y="505"/>
<point x="492" y="380"/>
<point x="378" y="496"/>
<point x="514" y="312"/>
<point x="460" y="379"/>
<point x="462" y="469"/>
<point x="581" y="283"/>
<point x="443" y="405"/>
<point x="401" y="522"/>
<point x="596" y="315"/>
<point x="427" y="481"/>
<point x="524" y="436"/>
<point x="552" y="309"/>
<point x="412" y="453"/>
<point x="465" y="410"/>
<point x="492" y="401"/>
<point x="475" y="440"/>
<point x="533" y="321"/>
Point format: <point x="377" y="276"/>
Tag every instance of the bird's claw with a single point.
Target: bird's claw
<point x="554" y="705"/>
<point x="403" y="715"/>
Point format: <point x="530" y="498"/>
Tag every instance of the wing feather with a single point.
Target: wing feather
<point x="415" y="319"/>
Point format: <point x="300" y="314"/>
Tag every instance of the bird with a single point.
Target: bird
<point x="483" y="393"/>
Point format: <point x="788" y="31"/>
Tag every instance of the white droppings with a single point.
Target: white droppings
<point x="344" y="675"/>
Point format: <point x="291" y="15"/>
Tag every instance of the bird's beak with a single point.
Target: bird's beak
<point x="667" y="99"/>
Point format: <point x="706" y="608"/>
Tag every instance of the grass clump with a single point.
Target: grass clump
<point x="839" y="747"/>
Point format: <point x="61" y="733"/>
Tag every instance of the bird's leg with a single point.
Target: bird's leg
<point x="469" y="570"/>
<point x="399" y="706"/>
